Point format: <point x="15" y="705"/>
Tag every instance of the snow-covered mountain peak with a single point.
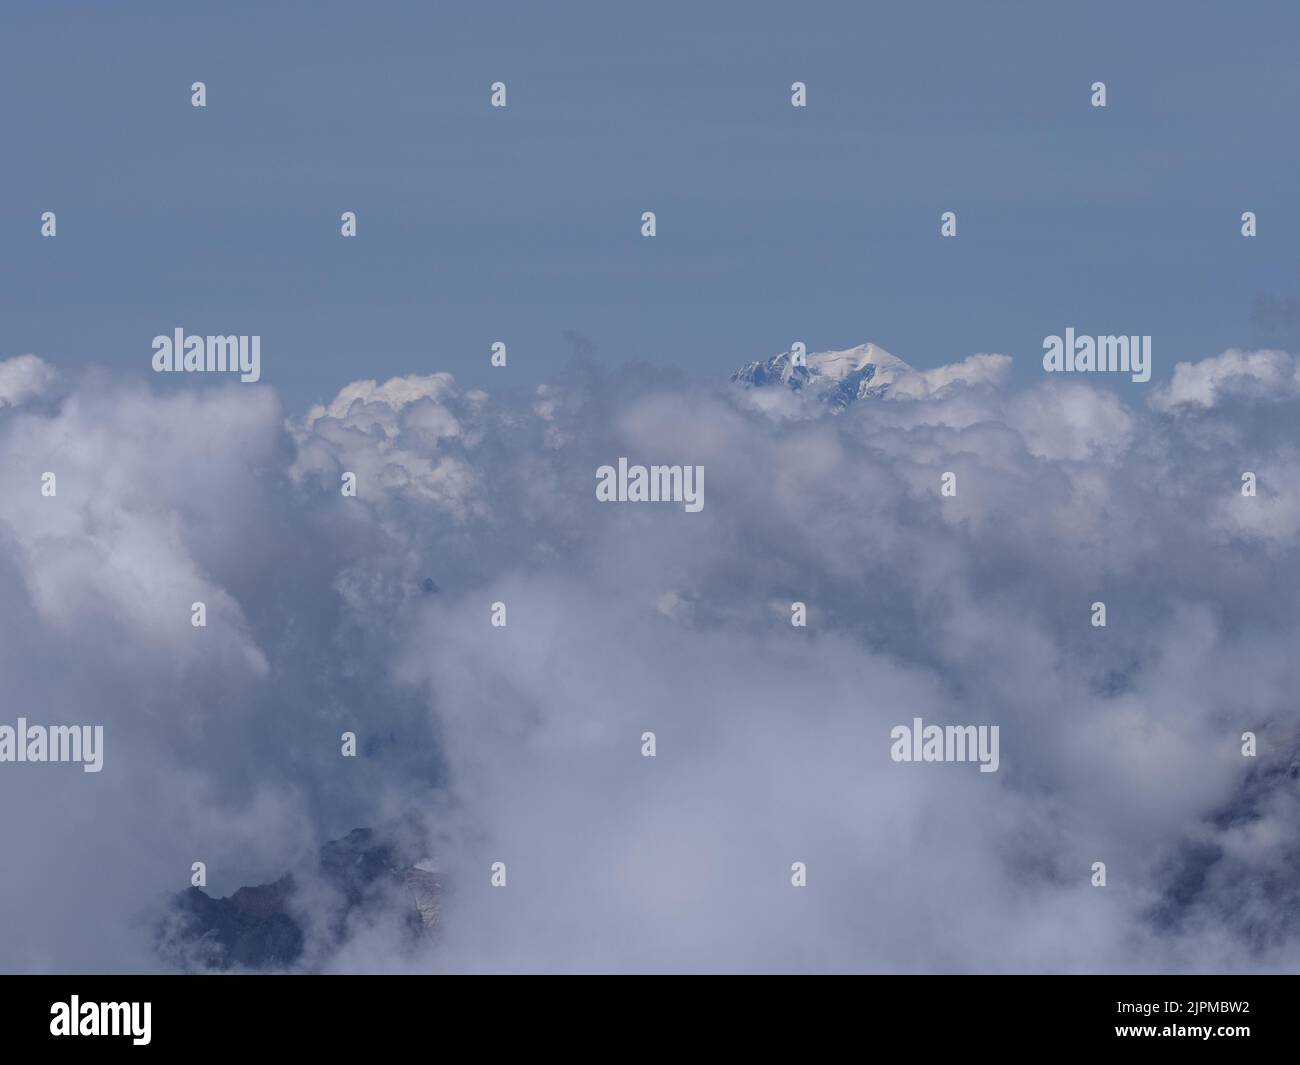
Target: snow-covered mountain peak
<point x="837" y="378"/>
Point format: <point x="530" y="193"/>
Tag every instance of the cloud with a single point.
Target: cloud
<point x="1071" y="423"/>
<point x="1250" y="374"/>
<point x="22" y="378"/>
<point x="973" y="370"/>
<point x="400" y="438"/>
<point x="522" y="744"/>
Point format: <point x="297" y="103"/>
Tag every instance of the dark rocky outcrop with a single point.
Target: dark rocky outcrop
<point x="293" y="922"/>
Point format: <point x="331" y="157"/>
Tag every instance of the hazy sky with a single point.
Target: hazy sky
<point x="522" y="744"/>
<point x="522" y="225"/>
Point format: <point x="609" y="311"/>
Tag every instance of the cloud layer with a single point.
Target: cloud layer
<point x="522" y="744"/>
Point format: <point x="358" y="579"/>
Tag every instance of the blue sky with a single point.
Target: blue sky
<point x="368" y="614"/>
<point x="522" y="225"/>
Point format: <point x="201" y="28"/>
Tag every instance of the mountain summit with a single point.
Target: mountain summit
<point x="837" y="378"/>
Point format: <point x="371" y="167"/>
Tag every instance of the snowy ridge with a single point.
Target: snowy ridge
<point x="837" y="378"/>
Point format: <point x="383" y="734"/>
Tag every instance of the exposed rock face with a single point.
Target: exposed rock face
<point x="1216" y="878"/>
<point x="293" y="922"/>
